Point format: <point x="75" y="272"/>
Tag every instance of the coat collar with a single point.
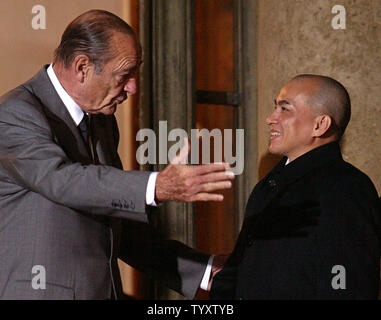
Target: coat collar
<point x="281" y="176"/>
<point x="309" y="161"/>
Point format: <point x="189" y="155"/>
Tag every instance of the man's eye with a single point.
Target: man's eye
<point x="281" y="108"/>
<point x="122" y="78"/>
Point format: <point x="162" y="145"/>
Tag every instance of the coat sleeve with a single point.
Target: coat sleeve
<point x="32" y="160"/>
<point x="224" y="283"/>
<point x="348" y="244"/>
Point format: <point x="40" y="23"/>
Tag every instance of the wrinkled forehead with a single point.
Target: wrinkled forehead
<point x="126" y="51"/>
<point x="125" y="44"/>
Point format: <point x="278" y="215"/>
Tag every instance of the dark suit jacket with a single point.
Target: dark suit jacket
<point x="301" y="221"/>
<point x="59" y="211"/>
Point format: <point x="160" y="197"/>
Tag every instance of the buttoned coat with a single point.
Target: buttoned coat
<point x="311" y="231"/>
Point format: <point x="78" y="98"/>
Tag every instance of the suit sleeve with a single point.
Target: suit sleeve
<point x="31" y="159"/>
<point x="174" y="264"/>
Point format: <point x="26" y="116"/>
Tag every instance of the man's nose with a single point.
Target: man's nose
<point x="130" y="86"/>
<point x="271" y="119"/>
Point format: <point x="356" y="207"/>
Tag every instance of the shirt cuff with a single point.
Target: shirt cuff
<point x="150" y="192"/>
<point x="205" y="279"/>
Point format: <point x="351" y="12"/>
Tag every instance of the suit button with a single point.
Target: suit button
<point x="250" y="241"/>
<point x="272" y="183"/>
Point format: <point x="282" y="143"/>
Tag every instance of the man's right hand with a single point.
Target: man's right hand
<point x="180" y="182"/>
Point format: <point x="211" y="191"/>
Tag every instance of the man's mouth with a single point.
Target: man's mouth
<point x="274" y="134"/>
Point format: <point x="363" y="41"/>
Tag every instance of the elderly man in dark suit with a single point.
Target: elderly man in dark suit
<point x="312" y="225"/>
<point x="62" y="188"/>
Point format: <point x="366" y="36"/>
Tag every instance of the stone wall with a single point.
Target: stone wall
<point x="296" y="36"/>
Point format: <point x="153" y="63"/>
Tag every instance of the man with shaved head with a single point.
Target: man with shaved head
<point x="67" y="209"/>
<point x="312" y="225"/>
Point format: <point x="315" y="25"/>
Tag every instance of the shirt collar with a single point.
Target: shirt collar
<point x="74" y="109"/>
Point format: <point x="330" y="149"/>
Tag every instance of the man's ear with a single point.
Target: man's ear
<point x="82" y="67"/>
<point x="322" y="125"/>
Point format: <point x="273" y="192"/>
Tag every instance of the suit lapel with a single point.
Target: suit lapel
<point x="65" y="130"/>
<point x="63" y="127"/>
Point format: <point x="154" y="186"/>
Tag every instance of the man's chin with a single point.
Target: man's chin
<point x="109" y="110"/>
<point x="271" y="148"/>
<point x="274" y="150"/>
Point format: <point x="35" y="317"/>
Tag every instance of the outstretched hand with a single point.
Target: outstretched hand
<point x="181" y="182"/>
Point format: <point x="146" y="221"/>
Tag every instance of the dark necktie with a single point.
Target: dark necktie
<point x="85" y="129"/>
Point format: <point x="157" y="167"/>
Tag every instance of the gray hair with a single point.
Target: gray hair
<point x="90" y="34"/>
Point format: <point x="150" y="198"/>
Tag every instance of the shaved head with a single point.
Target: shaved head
<point x="331" y="98"/>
